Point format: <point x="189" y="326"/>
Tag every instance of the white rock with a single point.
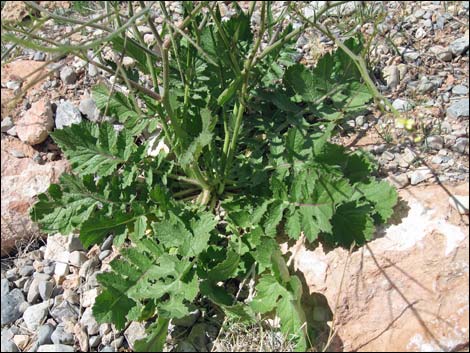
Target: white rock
<point x="35" y="315"/>
<point x="77" y="258"/>
<point x="61" y="269"/>
<point x="88" y="297"/>
<point x="460" y="203"/>
<point x="419" y="175"/>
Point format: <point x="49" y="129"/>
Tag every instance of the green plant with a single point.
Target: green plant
<point x="239" y="153"/>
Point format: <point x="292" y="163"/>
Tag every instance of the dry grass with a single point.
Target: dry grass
<point x="260" y="337"/>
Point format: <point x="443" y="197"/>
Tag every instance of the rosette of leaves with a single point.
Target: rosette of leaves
<point x="249" y="160"/>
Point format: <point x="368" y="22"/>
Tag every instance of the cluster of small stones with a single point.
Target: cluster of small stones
<point x="47" y="298"/>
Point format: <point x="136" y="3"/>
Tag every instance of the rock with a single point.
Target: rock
<point x="66" y="115"/>
<point x="460" y="90"/>
<point x="22" y="181"/>
<point x="460" y="203"/>
<point x="94" y="341"/>
<point x="33" y="291"/>
<point x="5" y="287"/>
<point x="64" y="311"/>
<point x="107" y="243"/>
<point x="68" y="75"/>
<point x="15" y="11"/>
<point x="92" y="70"/>
<point x="408" y="156"/>
<point x="35" y="125"/>
<point x="185" y="346"/>
<point x="389" y="156"/>
<point x="399" y="181"/>
<point x="88" y="267"/>
<point x="392" y="75"/>
<point x="12" y="274"/>
<point x="117" y="343"/>
<point x="89" y="322"/>
<point x="55" y="348"/>
<point x="35" y="315"/>
<point x="61" y="336"/>
<point x="11" y="302"/>
<point x="419" y="175"/>
<point x="45" y="289"/>
<point x="410" y="55"/>
<point x="88" y="297"/>
<point x="44" y="334"/>
<point x="149" y="38"/>
<point x="401" y="291"/>
<point x="88" y="108"/>
<point x="134" y="332"/>
<point x="461" y="145"/>
<point x="401" y="105"/>
<point x="128" y="62"/>
<point x="56" y="248"/>
<point x="21" y="341"/>
<point x="61" y="269"/>
<point x="7" y="124"/>
<point x="459" y="46"/>
<point x="105" y="329"/>
<point x="26" y="271"/>
<point x="458" y="108"/>
<point x="71" y="296"/>
<point x="74" y="243"/>
<point x="107" y="349"/>
<point x="12" y="131"/>
<point x="198" y="337"/>
<point x="39" y="56"/>
<point x="420" y="33"/>
<point x="77" y="258"/>
<point x="438" y="159"/>
<point x="435" y="142"/>
<point x="444" y="54"/>
<point x="82" y="338"/>
<point x="8" y="345"/>
<point x="104" y="254"/>
<point x="424" y="86"/>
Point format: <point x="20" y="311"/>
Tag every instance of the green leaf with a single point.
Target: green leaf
<point x="156" y="337"/>
<point x="115" y="301"/>
<point x="96" y="230"/>
<point x="286" y="299"/>
<point x="140" y="226"/>
<point x="225" y="269"/>
<point x="268" y="292"/>
<point x="382" y="195"/>
<point x="115" y="104"/>
<point x="229" y="92"/>
<point x="66" y="206"/>
<point x="94" y="148"/>
<point x="352" y="223"/>
<point x="273" y="218"/>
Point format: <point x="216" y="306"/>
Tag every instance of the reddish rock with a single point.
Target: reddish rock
<point x="407" y="290"/>
<point x="16" y="11"/>
<point x="22" y="181"/>
<point x="37" y="122"/>
<point x="26" y="71"/>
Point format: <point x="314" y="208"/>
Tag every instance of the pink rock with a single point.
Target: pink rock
<point x="37" y="122"/>
<point x="405" y="291"/>
<point x="22" y="181"/>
